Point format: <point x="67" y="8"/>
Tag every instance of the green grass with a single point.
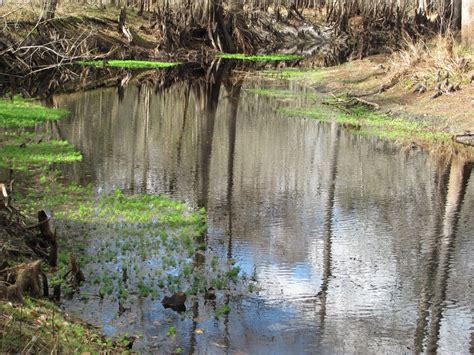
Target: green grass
<point x="300" y="74"/>
<point x="23" y="157"/>
<point x="129" y="64"/>
<point x="260" y="57"/>
<point x="39" y="326"/>
<point x="280" y="93"/>
<point x="374" y="123"/>
<point x="19" y="113"/>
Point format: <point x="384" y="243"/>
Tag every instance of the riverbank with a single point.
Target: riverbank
<point x="376" y="95"/>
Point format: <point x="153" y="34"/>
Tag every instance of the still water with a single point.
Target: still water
<point x="359" y="246"/>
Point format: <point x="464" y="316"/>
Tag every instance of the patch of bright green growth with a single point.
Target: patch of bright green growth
<point x="279" y="93"/>
<point x="375" y="123"/>
<point x="146" y="209"/>
<point x="260" y="57"/>
<point x="46" y="329"/>
<point x="45" y="153"/>
<point x="171" y="332"/>
<point x="129" y="64"/>
<point x="224" y="310"/>
<point x="313" y="75"/>
<point x="19" y="112"/>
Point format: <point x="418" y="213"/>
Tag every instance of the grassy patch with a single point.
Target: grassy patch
<point x="279" y="93"/>
<point x="375" y="123"/>
<point x="260" y="57"/>
<point x="129" y="64"/>
<point x="22" y="157"/>
<point x="316" y="75"/>
<point x="41" y="327"/>
<point x="19" y="112"/>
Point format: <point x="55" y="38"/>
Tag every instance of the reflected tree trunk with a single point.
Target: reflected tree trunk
<point x="179" y="145"/>
<point x="209" y="94"/>
<point x="431" y="256"/>
<point x="233" y="92"/>
<point x="458" y="179"/>
<point x="328" y="218"/>
<point x="146" y="129"/>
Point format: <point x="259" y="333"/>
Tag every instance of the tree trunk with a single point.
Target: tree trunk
<point x="457" y="7"/>
<point x="50" y="9"/>
<point x="468" y="23"/>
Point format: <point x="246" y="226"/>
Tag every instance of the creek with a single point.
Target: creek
<point x="357" y="244"/>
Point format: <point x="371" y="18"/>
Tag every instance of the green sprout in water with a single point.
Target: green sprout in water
<point x="221" y="311"/>
<point x="128" y="64"/>
<point x="171" y="333"/>
<point x="260" y="57"/>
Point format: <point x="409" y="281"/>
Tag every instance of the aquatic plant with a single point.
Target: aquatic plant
<point x="221" y="311"/>
<point x="260" y="57"/>
<point x="129" y="64"/>
<point x="18" y="112"/>
<point x="171" y="332"/>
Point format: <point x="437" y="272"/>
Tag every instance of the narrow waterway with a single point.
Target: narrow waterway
<point x="357" y="245"/>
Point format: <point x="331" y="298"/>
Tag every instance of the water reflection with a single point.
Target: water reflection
<point x="358" y="246"/>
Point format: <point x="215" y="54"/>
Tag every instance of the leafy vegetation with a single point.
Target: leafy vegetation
<point x="22" y="157"/>
<point x="299" y="74"/>
<point x="280" y="93"/>
<point x="129" y="64"/>
<point x="260" y="57"/>
<point x="39" y="326"/>
<point x="369" y="122"/>
<point x="19" y="112"/>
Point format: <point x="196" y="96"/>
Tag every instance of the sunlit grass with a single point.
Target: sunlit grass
<point x="41" y="327"/>
<point x="23" y="157"/>
<point x="369" y="122"/>
<point x="18" y="112"/>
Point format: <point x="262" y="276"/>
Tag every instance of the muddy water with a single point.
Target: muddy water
<point x="358" y="246"/>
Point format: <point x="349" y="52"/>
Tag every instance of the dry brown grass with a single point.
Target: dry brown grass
<point x="429" y="63"/>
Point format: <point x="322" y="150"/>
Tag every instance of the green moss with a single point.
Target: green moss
<point x="22" y="157"/>
<point x="129" y="64"/>
<point x="40" y="327"/>
<point x="260" y="57"/>
<point x="19" y="112"/>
